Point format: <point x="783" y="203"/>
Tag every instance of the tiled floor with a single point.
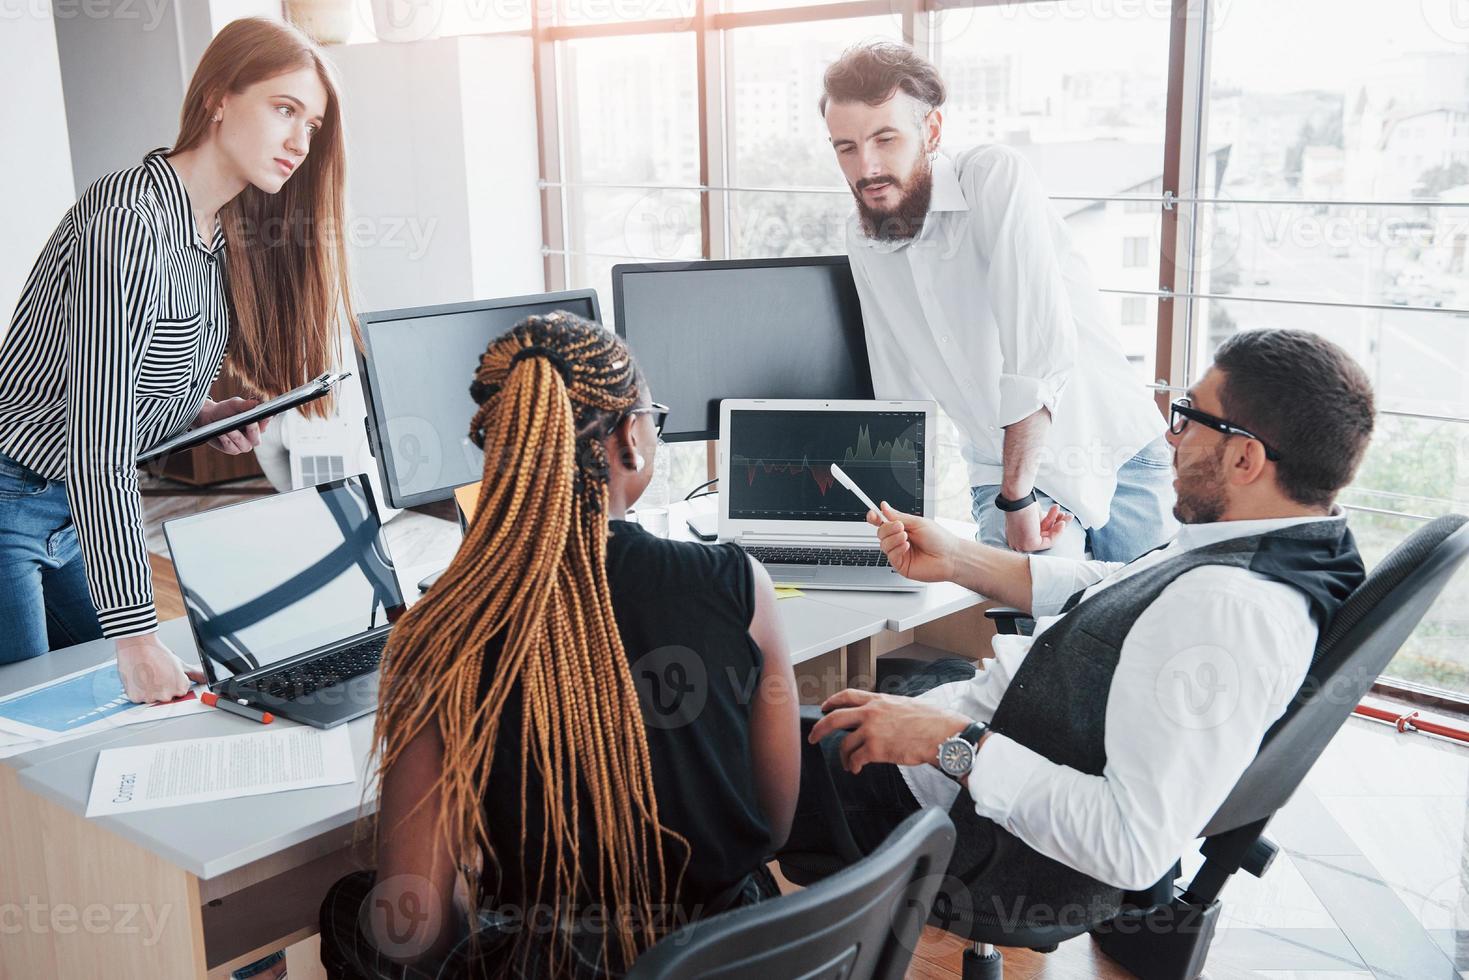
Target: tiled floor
<point x="1372" y="879"/>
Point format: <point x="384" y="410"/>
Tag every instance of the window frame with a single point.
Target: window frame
<point x="1180" y="327"/>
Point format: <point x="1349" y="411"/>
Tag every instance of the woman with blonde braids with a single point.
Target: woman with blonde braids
<point x="591" y="730"/>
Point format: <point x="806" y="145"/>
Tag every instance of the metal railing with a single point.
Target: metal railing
<point x="1165" y="200"/>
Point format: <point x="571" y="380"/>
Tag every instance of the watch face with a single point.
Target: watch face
<point x="956" y="756"/>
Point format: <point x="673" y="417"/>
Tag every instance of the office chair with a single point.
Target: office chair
<point x="859" y="923"/>
<point x="1164" y="932"/>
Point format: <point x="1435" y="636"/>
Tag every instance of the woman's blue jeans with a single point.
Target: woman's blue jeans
<point x="44" y="602"/>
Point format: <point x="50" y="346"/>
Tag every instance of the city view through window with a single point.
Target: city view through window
<point x="1331" y="191"/>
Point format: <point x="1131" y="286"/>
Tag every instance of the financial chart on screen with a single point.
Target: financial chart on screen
<point x="780" y="463"/>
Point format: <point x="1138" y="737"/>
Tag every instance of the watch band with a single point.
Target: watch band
<point x="1009" y="506"/>
<point x="974" y="733"/>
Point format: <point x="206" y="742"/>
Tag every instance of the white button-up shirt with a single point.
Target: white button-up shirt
<point x="1203" y="674"/>
<point x="991" y="312"/>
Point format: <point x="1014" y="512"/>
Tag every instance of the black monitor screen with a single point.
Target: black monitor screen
<point x="417" y="371"/>
<point x="780" y="463"/>
<point x="279" y="576"/>
<point x="778" y="328"/>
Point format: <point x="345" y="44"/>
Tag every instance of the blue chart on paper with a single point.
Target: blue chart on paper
<point x="72" y="703"/>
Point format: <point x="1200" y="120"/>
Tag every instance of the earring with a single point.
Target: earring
<point x="217" y="117"/>
<point x="638" y="462"/>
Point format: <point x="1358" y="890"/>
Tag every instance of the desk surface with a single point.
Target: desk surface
<point x="899" y="610"/>
<point x="210" y="839"/>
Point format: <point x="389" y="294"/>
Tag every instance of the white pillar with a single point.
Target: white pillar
<point x="36" y="164"/>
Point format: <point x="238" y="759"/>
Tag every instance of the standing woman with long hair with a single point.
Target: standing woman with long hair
<point x="231" y="240"/>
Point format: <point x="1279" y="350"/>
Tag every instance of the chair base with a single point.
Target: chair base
<point x="1166" y="942"/>
<point x="989" y="967"/>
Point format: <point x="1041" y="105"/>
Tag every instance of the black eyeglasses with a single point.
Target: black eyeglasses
<point x="659" y="412"/>
<point x="1182" y="412"/>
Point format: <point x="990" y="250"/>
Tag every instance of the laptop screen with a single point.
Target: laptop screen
<point x="277" y="576"/>
<point x="780" y="463"/>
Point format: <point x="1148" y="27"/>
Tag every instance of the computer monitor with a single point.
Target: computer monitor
<point x="755" y="328"/>
<point x="417" y="365"/>
<point x="775" y="458"/>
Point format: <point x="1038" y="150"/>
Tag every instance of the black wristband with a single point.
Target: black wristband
<point x="1010" y="506"/>
<point x="974" y="733"/>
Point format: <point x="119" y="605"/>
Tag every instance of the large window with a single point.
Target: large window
<point x="790" y="197"/>
<point x="1278" y="165"/>
<point x="1343" y="209"/>
<point x="630" y="151"/>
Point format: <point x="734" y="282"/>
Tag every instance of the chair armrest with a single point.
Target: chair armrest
<point x="1010" y="621"/>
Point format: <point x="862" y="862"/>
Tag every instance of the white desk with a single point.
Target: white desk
<point x="219" y="883"/>
<point x="203" y="889"/>
<point x="943" y="616"/>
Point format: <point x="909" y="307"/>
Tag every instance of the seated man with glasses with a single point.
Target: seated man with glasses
<point x="1083" y="760"/>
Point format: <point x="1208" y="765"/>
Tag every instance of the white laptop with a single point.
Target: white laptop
<point x="779" y="499"/>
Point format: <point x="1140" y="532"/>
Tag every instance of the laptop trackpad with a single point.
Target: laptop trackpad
<point x="782" y="574"/>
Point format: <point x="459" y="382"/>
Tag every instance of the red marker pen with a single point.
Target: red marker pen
<point x="236" y="708"/>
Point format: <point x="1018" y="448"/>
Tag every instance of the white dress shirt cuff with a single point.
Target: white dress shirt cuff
<point x="1022" y="396"/>
<point x="1002" y="769"/>
<point x="1052" y="582"/>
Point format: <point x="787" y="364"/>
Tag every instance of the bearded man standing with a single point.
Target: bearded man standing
<point x="973" y="295"/>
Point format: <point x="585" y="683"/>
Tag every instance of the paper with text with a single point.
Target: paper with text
<point x="147" y="777"/>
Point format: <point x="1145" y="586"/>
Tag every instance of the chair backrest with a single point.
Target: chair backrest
<point x="862" y="922"/>
<point x="1356" y="646"/>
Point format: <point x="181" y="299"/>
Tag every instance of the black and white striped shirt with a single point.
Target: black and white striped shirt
<point x="119" y="333"/>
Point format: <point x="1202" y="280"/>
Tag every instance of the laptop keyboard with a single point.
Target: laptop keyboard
<point x="846" y="557"/>
<point x="335" y="668"/>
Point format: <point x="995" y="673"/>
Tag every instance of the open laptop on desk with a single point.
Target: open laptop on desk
<point x="780" y="501"/>
<point x="290" y="599"/>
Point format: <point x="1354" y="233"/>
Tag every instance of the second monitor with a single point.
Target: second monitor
<point x="416" y="369"/>
<point x="762" y="328"/>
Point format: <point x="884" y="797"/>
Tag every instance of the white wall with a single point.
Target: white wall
<point x="123" y="81"/>
<point x="125" y="68"/>
<point x="441" y="162"/>
<point x="36" y="164"/>
<point x="501" y="166"/>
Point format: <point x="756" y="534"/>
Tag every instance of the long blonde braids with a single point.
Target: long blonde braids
<point x="532" y="570"/>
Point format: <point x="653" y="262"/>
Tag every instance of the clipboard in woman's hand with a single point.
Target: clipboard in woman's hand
<point x="308" y="392"/>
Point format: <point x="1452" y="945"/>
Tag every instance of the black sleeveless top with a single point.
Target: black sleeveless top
<point x="683" y="611"/>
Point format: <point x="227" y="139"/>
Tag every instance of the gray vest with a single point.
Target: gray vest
<point x="1056" y="705"/>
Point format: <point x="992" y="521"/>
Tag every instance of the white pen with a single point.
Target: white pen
<point x="846" y="481"/>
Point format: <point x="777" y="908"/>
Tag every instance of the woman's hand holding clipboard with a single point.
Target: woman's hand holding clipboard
<point x="237" y="421"/>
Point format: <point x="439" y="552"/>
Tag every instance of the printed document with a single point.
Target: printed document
<point x="147" y="777"/>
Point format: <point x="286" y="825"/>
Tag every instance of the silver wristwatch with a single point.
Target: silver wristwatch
<point x="956" y="754"/>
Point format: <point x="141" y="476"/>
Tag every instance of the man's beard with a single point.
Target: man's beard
<point x="905" y="219"/>
<point x="1201" y="496"/>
